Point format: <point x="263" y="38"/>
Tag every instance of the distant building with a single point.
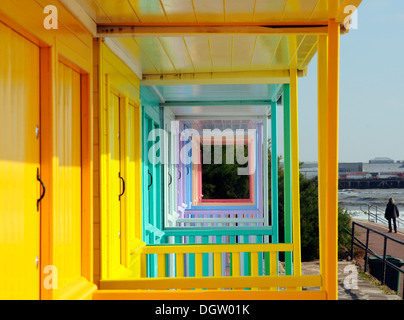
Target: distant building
<point x="350" y="167"/>
<point x="381" y="160"/>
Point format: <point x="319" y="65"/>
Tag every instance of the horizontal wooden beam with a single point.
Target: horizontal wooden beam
<point x="214" y="117"/>
<point x="212" y="78"/>
<point x="220" y="231"/>
<point x="212" y="248"/>
<point x="207" y="295"/>
<point x="220" y="220"/>
<point x="184" y="30"/>
<point x="219" y="103"/>
<point x="212" y="282"/>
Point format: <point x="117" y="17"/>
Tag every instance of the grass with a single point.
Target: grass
<point x="376" y="283"/>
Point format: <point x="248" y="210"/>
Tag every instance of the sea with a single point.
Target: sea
<point x="357" y="201"/>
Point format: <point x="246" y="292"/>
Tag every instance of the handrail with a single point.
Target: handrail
<point x="218" y="248"/>
<point x="207" y="261"/>
<point x="237" y="282"/>
<point x="378" y="215"/>
<point x="262" y="272"/>
<point x="365" y="246"/>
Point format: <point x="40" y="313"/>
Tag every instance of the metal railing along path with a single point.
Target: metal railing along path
<point x="365" y="246"/>
<point x="377" y="214"/>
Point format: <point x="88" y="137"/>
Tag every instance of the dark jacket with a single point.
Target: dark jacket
<point x="391" y="211"/>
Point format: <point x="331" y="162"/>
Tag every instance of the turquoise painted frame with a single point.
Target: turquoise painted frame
<point x="151" y="198"/>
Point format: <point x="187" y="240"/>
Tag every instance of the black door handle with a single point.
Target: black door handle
<point x="187" y="170"/>
<point x="179" y="178"/>
<point x="43" y="190"/>
<point x="123" y="186"/>
<point x="151" y="180"/>
<point x="171" y="179"/>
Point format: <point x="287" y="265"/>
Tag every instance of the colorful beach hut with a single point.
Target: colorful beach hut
<point x="106" y="110"/>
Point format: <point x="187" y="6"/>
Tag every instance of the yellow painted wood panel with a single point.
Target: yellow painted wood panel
<point x="119" y="101"/>
<point x="179" y="10"/>
<point x="320" y="11"/>
<point x="19" y="162"/>
<point x="281" y="58"/>
<point x="221" y="52"/>
<point x="299" y="10"/>
<point x="307" y="50"/>
<point x="133" y="175"/>
<point x="243" y="49"/>
<point x="177" y="50"/>
<point x="120" y="76"/>
<point x="198" y="48"/>
<point x="94" y="11"/>
<point x="269" y="10"/>
<point x="161" y="265"/>
<point x="75" y="41"/>
<point x="239" y="11"/>
<point x="67" y="221"/>
<point x="264" y="51"/>
<point x="136" y="158"/>
<point x="209" y="10"/>
<point x="114" y="183"/>
<point x="148" y="10"/>
<point x="118" y="11"/>
<point x="154" y="51"/>
<point x="133" y="51"/>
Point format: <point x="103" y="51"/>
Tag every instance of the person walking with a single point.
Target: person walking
<point x="391" y="214"/>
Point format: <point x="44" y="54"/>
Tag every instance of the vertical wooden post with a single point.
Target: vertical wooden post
<point x="331" y="279"/>
<point x="287" y="176"/>
<point x="322" y="65"/>
<point x="294" y="129"/>
<point x="274" y="183"/>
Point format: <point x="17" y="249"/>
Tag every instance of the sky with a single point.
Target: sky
<point x="371" y="110"/>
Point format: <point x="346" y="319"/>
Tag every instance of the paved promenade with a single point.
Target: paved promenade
<point x="365" y="289"/>
<point x="376" y="243"/>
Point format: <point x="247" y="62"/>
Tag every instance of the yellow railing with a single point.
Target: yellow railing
<point x="273" y="282"/>
<point x="173" y="256"/>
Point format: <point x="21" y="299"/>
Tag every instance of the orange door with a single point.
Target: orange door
<point x="19" y="165"/>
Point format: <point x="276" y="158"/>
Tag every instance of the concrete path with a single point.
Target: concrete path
<point x="351" y="285"/>
<point x="376" y="243"/>
<point x="362" y="288"/>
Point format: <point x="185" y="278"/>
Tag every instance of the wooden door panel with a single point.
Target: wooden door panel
<point x="19" y="163"/>
<point x="68" y="216"/>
